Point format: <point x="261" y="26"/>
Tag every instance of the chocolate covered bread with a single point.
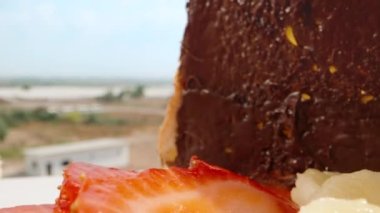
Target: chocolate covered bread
<point x="268" y="88"/>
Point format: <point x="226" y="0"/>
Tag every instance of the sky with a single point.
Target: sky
<point x="137" y="39"/>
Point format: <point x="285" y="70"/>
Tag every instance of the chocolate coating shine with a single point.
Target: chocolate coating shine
<point x="274" y="87"/>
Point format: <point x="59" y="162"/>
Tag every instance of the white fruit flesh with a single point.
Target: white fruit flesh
<point x="308" y="184"/>
<point x="314" y="184"/>
<point x="333" y="205"/>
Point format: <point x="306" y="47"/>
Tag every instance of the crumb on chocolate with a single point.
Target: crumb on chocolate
<point x="290" y="35"/>
<point x="305" y="97"/>
<point x="332" y="69"/>
<point x="367" y="98"/>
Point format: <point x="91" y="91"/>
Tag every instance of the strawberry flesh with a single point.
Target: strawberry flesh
<point x="201" y="188"/>
<point x="74" y="176"/>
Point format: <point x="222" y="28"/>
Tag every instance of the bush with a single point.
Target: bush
<point x="92" y="119"/>
<point x="41" y="114"/>
<point x="20" y="116"/>
<point x="3" y="129"/>
<point x="138" y="92"/>
<point x="108" y="97"/>
<point x="74" y="117"/>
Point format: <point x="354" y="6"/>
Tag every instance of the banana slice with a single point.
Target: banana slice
<point x="314" y="184"/>
<point x="308" y="184"/>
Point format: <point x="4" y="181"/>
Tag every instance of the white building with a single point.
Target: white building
<point x="51" y="160"/>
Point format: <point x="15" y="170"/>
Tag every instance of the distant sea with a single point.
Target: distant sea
<point x="75" y="92"/>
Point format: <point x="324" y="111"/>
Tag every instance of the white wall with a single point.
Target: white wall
<point x="116" y="156"/>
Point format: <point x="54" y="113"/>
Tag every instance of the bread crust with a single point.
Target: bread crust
<point x="168" y="130"/>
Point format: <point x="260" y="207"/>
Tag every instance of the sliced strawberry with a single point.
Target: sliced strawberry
<point x="29" y="209"/>
<point x="201" y="188"/>
<point x="75" y="174"/>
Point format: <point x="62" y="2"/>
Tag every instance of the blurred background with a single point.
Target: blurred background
<point x="85" y="80"/>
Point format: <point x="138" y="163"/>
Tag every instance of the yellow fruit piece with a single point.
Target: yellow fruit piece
<point x="290" y="35"/>
<point x="314" y="184"/>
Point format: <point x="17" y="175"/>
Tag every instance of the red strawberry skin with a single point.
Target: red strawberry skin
<point x="201" y="188"/>
<point x="74" y="176"/>
<point x="29" y="209"/>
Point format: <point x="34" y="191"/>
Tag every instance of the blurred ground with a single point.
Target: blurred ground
<point x="138" y="120"/>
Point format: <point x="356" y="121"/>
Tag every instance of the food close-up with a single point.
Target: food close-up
<point x="276" y="109"/>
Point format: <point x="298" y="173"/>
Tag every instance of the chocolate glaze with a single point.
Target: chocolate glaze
<point x="261" y="105"/>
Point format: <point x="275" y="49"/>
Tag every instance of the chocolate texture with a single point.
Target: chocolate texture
<point x="271" y="88"/>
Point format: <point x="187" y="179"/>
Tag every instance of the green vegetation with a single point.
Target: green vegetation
<point x="3" y="129"/>
<point x="73" y="117"/>
<point x="90" y="119"/>
<point x="13" y="118"/>
<point x="138" y="92"/>
<point x="135" y="93"/>
<point x="42" y="114"/>
<point x="109" y="96"/>
<point x="13" y="152"/>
